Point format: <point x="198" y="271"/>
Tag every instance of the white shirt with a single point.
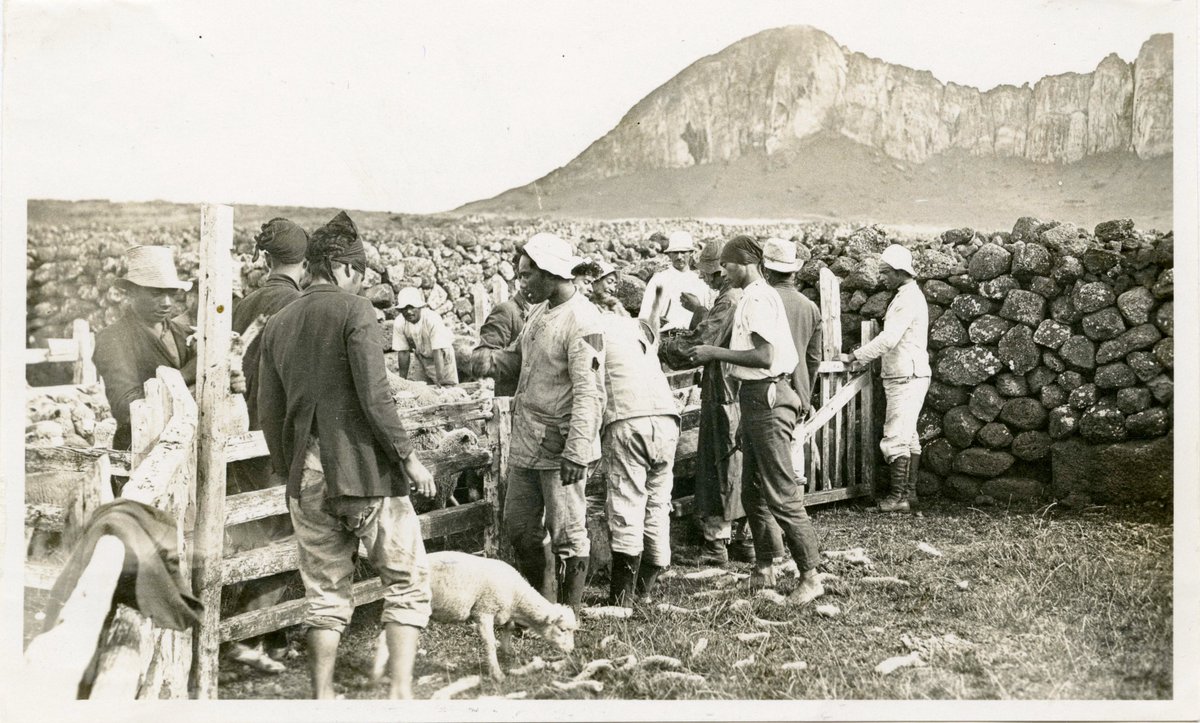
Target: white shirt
<point x="429" y="334"/>
<point x="760" y="311"/>
<point x="674" y="283"/>
<point x="904" y="340"/>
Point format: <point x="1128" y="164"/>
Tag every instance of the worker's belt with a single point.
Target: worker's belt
<point x="768" y="380"/>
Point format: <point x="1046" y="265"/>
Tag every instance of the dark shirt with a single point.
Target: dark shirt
<point x="128" y="352"/>
<point x="805" y="320"/>
<point x="322" y="373"/>
<point x="277" y="291"/>
<point x="501" y="328"/>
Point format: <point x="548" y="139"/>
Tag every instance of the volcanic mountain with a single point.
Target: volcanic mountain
<point x="788" y="124"/>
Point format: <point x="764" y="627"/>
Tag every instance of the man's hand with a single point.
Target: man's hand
<point x="703" y="353"/>
<point x="690" y="301"/>
<point x="420" y="479"/>
<point x="237" y="381"/>
<point x="846" y="358"/>
<point x="571" y="472"/>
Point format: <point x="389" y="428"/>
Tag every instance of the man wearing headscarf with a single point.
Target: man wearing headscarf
<point x="336" y="440"/>
<point x="282" y="245"/>
<point x="762" y="356"/>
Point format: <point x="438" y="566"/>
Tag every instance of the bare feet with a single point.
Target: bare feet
<point x="809" y="589"/>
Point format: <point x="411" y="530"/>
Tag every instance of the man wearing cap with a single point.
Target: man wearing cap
<point x="557" y="413"/>
<point x="335" y="437"/>
<point x="423" y="343"/>
<point x="130" y="350"/>
<point x="674" y="281"/>
<point x="804" y="318"/>
<point x="282" y="244"/>
<point x="905" y="371"/>
<point x="639" y="436"/>
<point x="762" y="356"/>
<point x="604" y="287"/>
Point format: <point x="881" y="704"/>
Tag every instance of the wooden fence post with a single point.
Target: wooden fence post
<point x="831" y="347"/>
<point x="212" y="380"/>
<point x="499" y="429"/>
<point x="481" y="305"/>
<point x="85" y="368"/>
<point x="867" y="436"/>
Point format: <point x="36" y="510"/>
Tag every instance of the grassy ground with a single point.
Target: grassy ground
<point x="1057" y="605"/>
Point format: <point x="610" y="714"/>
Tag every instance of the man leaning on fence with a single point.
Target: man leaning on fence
<point x="334" y="433"/>
<point x="905" y="371"/>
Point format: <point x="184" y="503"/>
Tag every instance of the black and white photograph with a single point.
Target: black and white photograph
<point x="599" y="360"/>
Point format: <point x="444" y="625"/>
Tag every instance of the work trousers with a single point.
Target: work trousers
<point x="639" y="461"/>
<point x="535" y="503"/>
<point x="904" y="396"/>
<point x="770" y="489"/>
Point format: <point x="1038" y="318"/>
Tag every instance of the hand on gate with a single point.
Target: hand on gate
<point x="237" y="381"/>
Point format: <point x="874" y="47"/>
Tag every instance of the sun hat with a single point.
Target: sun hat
<point x="780" y="255"/>
<point x="153" y="267"/>
<point x="605" y="268"/>
<point x="898" y="258"/>
<point x="679" y="241"/>
<point x="409" y="296"/>
<point x="552" y="255"/>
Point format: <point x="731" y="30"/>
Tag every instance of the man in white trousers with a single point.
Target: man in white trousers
<point x="905" y="370"/>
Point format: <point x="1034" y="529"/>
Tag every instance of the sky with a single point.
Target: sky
<point x="421" y="107"/>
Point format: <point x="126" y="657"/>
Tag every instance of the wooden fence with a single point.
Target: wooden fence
<point x="132" y="657"/>
<point x="77" y="350"/>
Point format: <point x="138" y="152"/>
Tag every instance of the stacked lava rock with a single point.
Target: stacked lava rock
<point x="1043" y="334"/>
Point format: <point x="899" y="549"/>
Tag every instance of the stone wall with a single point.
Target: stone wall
<point x="1052" y="348"/>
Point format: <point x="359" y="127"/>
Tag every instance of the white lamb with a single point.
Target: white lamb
<point x="490" y="593"/>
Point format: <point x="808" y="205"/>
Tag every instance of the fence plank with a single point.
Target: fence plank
<point x="85" y="367"/>
<point x="73" y="459"/>
<point x="837" y="401"/>
<point x="240" y="627"/>
<point x="212" y="381"/>
<point x="868" y="331"/>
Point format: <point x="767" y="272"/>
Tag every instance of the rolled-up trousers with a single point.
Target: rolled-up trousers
<point x="904" y="395"/>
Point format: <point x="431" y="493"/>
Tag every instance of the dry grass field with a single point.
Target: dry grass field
<point x="1045" y="603"/>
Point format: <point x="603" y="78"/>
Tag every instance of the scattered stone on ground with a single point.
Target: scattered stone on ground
<point x="893" y="664"/>
<point x="929" y="549"/>
<point x="752" y="637"/>
<point x="828" y="611"/>
<point x="795" y="665"/>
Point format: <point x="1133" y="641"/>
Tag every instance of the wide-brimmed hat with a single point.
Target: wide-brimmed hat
<point x="152" y="267"/>
<point x="679" y="241"/>
<point x="898" y="258"/>
<point x="410" y="296"/>
<point x="552" y="255"/>
<point x="780" y="255"/>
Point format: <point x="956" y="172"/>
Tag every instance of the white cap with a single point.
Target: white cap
<point x="780" y="255"/>
<point x="552" y="255"/>
<point x="679" y="241"/>
<point x="605" y="268"/>
<point x="410" y="296"/>
<point x="898" y="258"/>
<point x="153" y="267"/>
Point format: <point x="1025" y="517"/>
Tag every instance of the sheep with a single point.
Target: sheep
<point x="489" y="593"/>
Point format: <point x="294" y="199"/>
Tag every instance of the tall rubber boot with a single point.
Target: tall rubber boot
<point x="532" y="565"/>
<point x="623" y="578"/>
<point x="914" y="470"/>
<point x="898" y="480"/>
<point x="572" y="580"/>
<point x="646" y="578"/>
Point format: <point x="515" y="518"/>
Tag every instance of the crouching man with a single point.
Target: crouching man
<point x="641" y="430"/>
<point x="762" y="356"/>
<point x="333" y="432"/>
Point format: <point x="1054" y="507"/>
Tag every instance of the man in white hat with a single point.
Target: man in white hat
<point x="129" y="351"/>
<point x="424" y="345"/>
<point x="674" y="281"/>
<point x="804" y="317"/>
<point x="905" y="372"/>
<point x="557" y="412"/>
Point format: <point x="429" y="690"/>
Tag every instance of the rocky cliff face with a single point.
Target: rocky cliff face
<point x="767" y="91"/>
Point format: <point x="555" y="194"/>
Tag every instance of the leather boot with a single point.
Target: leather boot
<point x="572" y="580"/>
<point x="914" y="470"/>
<point x="532" y="566"/>
<point x="647" y="576"/>
<point x="742" y="550"/>
<point x="713" y="552"/>
<point x="898" y="485"/>
<point x="625" y="570"/>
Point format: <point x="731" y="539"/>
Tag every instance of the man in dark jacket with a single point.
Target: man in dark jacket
<point x="130" y="351"/>
<point x="282" y="244"/>
<point x="334" y="434"/>
<point x="501" y="328"/>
